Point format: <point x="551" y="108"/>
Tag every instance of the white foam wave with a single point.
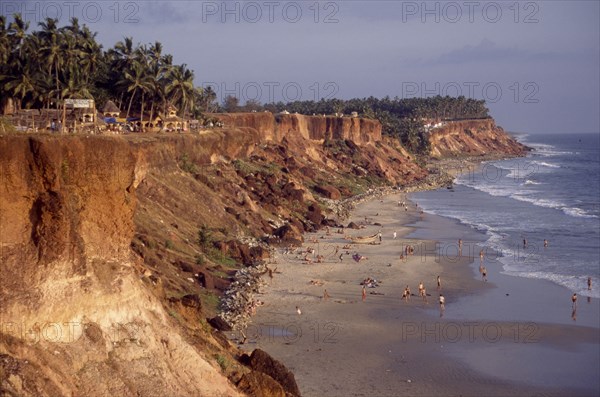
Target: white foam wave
<point x="545" y="164"/>
<point x="577" y="212"/>
<point x="540" y="202"/>
<point x="530" y="182"/>
<point x="577" y="284"/>
<point x="546" y="150"/>
<point x="518" y="193"/>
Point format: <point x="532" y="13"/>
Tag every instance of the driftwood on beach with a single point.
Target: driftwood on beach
<point x="365" y="239"/>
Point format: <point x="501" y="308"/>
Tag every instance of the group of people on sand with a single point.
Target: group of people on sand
<point x="422" y="290"/>
<point x="403" y="205"/>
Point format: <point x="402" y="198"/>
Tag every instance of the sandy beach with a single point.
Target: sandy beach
<point x="342" y="345"/>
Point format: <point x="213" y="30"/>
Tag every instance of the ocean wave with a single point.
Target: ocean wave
<point x="546" y="150"/>
<point x="544" y="164"/>
<point x="577" y="212"/>
<point x="577" y="284"/>
<point x="528" y="196"/>
<point x="540" y="202"/>
<point x="530" y="182"/>
<point x="496" y="190"/>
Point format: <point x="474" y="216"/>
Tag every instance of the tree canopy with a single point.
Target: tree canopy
<point x="46" y="66"/>
<point x="43" y="67"/>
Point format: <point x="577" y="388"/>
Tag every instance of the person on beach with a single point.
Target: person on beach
<point x="484" y="274"/>
<point x="364" y="293"/>
<point x="325" y="295"/>
<point x="442" y="304"/>
<point x="459" y="247"/>
<point x="524" y="243"/>
<point x="589" y="283"/>
<point x="481" y="256"/>
<point x="439" y="283"/>
<point x="407" y="289"/>
<point x="574" y="300"/>
<point x="545" y="243"/>
<point x="424" y="294"/>
<point x="341" y="256"/>
<point x="421" y="287"/>
<point x="298" y="310"/>
<point x="395" y="235"/>
<point x="405" y="295"/>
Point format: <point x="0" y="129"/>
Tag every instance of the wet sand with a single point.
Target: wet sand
<point x="384" y="346"/>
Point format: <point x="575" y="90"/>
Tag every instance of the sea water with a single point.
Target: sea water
<point x="551" y="194"/>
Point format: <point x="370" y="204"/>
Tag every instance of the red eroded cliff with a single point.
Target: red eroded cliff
<point x="319" y="128"/>
<point x="473" y="138"/>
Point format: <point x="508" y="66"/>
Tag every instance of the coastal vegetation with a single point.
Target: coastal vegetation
<point x="44" y="67"/>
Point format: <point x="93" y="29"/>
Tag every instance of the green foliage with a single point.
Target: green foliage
<point x="187" y="165"/>
<point x="44" y="67"/>
<point x="200" y="260"/>
<point x="169" y="244"/>
<point x="5" y="125"/>
<point x="64" y="170"/>
<point x="205" y="238"/>
<point x="222" y="361"/>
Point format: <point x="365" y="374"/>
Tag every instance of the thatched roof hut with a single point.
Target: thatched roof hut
<point x="110" y="110"/>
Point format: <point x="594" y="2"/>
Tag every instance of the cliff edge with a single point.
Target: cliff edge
<point x="115" y="250"/>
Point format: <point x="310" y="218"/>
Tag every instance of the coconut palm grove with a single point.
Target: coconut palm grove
<point x="46" y="67"/>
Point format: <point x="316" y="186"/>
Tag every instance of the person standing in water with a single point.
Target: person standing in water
<point x="574" y="300"/>
<point x="589" y="282"/>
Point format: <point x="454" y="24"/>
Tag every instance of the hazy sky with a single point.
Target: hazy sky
<point x="537" y="63"/>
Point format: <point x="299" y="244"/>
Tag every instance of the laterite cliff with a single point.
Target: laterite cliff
<point x="114" y="250"/>
<point x="317" y="128"/>
<point x="473" y="138"/>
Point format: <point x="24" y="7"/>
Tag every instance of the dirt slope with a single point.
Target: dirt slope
<point x="114" y="250"/>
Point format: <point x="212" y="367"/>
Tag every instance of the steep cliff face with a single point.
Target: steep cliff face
<point x="473" y="138"/>
<point x="77" y="318"/>
<point x="101" y="291"/>
<point x="318" y="128"/>
<point x="104" y="288"/>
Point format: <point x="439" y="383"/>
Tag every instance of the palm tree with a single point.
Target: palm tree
<point x="180" y="87"/>
<point x="133" y="80"/>
<point x="20" y="85"/>
<point x="122" y="56"/>
<point x="51" y="50"/>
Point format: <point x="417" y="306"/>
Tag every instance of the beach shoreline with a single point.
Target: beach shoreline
<point x="383" y="345"/>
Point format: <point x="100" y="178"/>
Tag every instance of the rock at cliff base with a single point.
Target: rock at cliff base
<point x="206" y="280"/>
<point x="192" y="300"/>
<point x="314" y="214"/>
<point x="261" y="361"/>
<point x="289" y="234"/>
<point x="260" y="384"/>
<point x="353" y="225"/>
<point x="218" y="323"/>
<point x="328" y="191"/>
